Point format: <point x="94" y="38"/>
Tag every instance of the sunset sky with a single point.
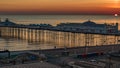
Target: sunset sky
<point x="59" y="6"/>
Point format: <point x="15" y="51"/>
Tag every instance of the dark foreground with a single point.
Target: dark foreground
<point x="79" y="57"/>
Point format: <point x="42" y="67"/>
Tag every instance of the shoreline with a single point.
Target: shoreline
<point x="79" y="49"/>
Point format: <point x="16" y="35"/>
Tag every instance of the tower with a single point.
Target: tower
<point x="7" y="20"/>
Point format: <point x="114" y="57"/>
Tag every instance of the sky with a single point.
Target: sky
<point x="59" y="6"/>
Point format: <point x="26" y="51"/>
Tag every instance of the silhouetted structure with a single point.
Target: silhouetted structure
<point x="64" y="34"/>
<point x="89" y="26"/>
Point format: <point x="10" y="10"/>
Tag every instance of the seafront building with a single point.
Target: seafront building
<point x="64" y="34"/>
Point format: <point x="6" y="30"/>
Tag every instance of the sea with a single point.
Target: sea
<point x="18" y="45"/>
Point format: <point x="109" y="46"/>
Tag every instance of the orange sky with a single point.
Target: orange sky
<point x="59" y="6"/>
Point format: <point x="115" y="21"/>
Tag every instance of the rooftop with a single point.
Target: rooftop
<point x="86" y="23"/>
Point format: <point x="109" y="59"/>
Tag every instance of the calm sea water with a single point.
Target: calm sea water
<point x="18" y="45"/>
<point x="55" y="19"/>
<point x="13" y="44"/>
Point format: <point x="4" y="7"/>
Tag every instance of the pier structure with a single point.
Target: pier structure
<point x="59" y="36"/>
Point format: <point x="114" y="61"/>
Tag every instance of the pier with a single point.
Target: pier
<point x="70" y="43"/>
<point x="57" y="36"/>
